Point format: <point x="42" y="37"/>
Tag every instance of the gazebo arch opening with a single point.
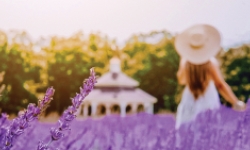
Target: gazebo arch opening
<point x="101" y="109"/>
<point x="89" y="110"/>
<point x="115" y="109"/>
<point x="128" y="109"/>
<point x="140" y="108"/>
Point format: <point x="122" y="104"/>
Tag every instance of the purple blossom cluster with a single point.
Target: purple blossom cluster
<point x="3" y="119"/>
<point x="69" y="114"/>
<point x="19" y="124"/>
<point x="217" y="129"/>
<point x="223" y="129"/>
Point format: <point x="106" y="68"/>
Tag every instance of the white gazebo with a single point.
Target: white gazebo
<point x="117" y="93"/>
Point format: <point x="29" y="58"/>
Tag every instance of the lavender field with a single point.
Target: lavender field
<point x="223" y="129"/>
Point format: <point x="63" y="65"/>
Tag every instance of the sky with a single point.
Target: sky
<point x="120" y="19"/>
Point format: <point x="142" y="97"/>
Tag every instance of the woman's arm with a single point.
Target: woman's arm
<point x="181" y="72"/>
<point x="223" y="87"/>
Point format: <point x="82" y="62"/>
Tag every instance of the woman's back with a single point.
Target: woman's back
<point x="190" y="107"/>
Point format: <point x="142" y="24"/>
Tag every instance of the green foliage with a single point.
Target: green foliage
<point x="68" y="64"/>
<point x="18" y="69"/>
<point x="155" y="67"/>
<point x="239" y="77"/>
<point x="237" y="71"/>
<point x="235" y="66"/>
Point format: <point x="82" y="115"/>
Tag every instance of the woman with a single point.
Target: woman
<point x="199" y="72"/>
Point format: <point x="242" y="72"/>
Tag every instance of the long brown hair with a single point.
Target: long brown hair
<point x="197" y="77"/>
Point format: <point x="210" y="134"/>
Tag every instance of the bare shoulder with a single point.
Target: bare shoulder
<point x="181" y="72"/>
<point x="183" y="62"/>
<point x="214" y="62"/>
<point x="215" y="71"/>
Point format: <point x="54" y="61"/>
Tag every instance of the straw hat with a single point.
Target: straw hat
<point x="198" y="43"/>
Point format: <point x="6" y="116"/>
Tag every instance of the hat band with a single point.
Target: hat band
<point x="197" y="40"/>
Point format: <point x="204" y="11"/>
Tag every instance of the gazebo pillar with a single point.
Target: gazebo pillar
<point x="93" y="109"/>
<point x="108" y="111"/>
<point x="123" y="109"/>
<point x="148" y="108"/>
<point x="151" y="108"/>
<point x="134" y="107"/>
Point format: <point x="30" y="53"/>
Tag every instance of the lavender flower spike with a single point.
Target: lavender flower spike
<point x="44" y="103"/>
<point x="69" y="113"/>
<point x="88" y="84"/>
<point x="3" y="118"/>
<point x="20" y="123"/>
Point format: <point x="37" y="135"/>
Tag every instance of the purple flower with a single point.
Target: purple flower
<point x="50" y="92"/>
<point x="3" y="118"/>
<point x="43" y="104"/>
<point x="63" y="125"/>
<point x="20" y="123"/>
<point x="56" y="134"/>
<point x="88" y="84"/>
<point x="15" y="129"/>
<point x="76" y="101"/>
<point x="42" y="146"/>
<point x="23" y="124"/>
<point x="32" y="112"/>
<point x="69" y="114"/>
<point x="8" y="142"/>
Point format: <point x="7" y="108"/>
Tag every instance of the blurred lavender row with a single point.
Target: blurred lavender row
<point x="223" y="129"/>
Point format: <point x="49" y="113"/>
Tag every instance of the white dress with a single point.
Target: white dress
<point x="189" y="108"/>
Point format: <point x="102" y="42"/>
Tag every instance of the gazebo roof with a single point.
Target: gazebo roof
<point x="115" y="87"/>
<point x="119" y="79"/>
<point x="129" y="96"/>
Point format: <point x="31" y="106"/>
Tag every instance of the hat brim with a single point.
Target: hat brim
<point x="198" y="55"/>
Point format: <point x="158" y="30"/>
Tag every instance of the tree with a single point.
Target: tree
<point x="155" y="67"/>
<point x="238" y="77"/>
<point x="16" y="61"/>
<point x="235" y="65"/>
<point x="68" y="64"/>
